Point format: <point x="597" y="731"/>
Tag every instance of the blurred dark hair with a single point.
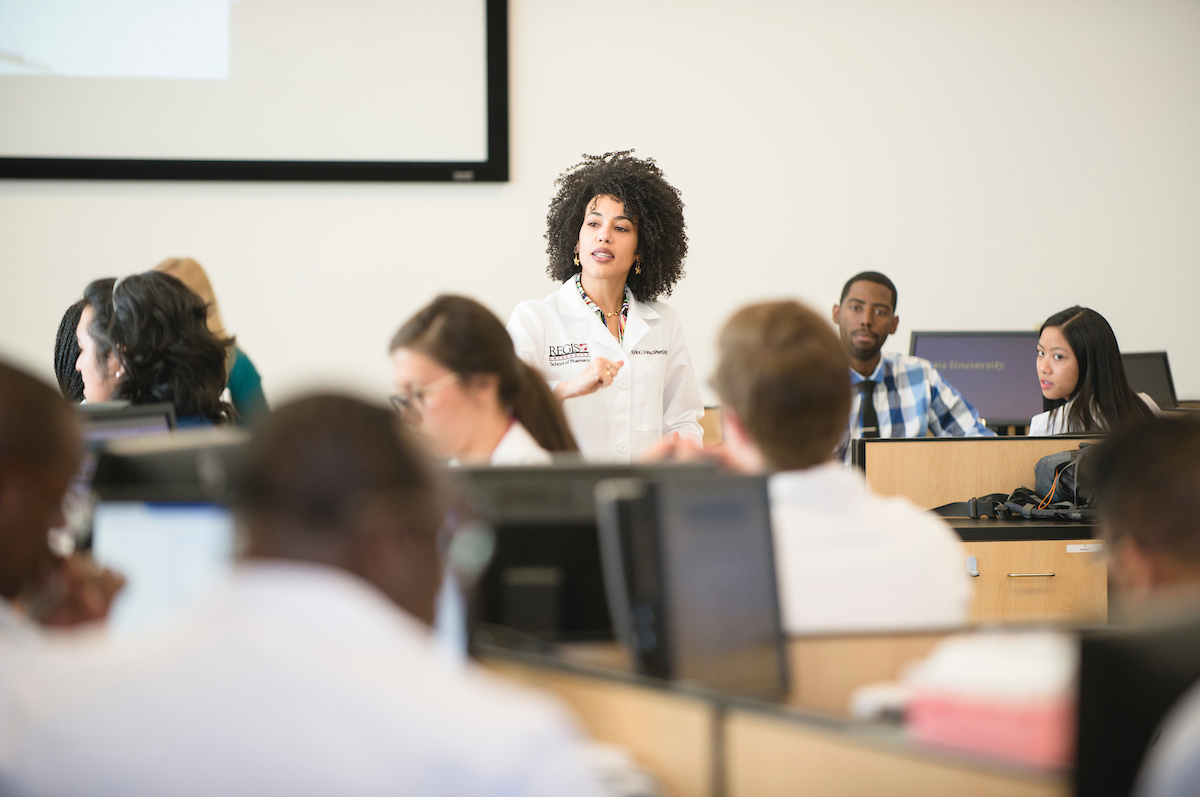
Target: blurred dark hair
<point x="1102" y="398"/>
<point x="871" y="276"/>
<point x="652" y="203"/>
<point x="66" y="354"/>
<point x="465" y="337"/>
<point x="1148" y="486"/>
<point x="315" y="461"/>
<point x="159" y="331"/>
<point x="37" y="427"/>
<point x="782" y="369"/>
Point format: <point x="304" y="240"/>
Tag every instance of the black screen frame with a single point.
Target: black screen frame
<point x="493" y="170"/>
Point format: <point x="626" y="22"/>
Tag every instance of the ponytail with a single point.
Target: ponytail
<point x="536" y="408"/>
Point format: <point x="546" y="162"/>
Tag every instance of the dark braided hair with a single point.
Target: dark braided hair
<point x="159" y="331"/>
<point x="652" y="203"/>
<point x="66" y="354"/>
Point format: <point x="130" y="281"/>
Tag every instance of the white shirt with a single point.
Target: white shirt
<point x="850" y="560"/>
<point x="15" y="628"/>
<point x="655" y="394"/>
<point x="295" y="680"/>
<point x="1172" y="764"/>
<point x="518" y="447"/>
<point x="1052" y="422"/>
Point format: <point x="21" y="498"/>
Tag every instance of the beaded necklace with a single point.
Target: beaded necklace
<point x="622" y="316"/>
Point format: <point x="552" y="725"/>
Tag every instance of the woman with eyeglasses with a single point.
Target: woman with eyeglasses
<point x="462" y="386"/>
<point x="614" y="355"/>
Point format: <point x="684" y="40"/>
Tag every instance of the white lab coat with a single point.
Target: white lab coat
<point x="655" y="394"/>
<point x="518" y="447"/>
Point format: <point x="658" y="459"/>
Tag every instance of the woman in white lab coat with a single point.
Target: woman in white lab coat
<point x="614" y="355"/>
<point x="463" y="388"/>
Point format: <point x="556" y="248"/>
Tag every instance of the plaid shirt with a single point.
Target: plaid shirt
<point x="914" y="399"/>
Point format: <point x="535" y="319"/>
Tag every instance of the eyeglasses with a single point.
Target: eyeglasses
<point x="413" y="401"/>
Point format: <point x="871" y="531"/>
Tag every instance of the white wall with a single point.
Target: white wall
<point x="999" y="160"/>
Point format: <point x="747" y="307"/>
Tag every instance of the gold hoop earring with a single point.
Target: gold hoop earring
<point x="577" y="259"/>
<point x="637" y="266"/>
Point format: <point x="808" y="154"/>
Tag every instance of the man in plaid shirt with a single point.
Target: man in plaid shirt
<point x="913" y="398"/>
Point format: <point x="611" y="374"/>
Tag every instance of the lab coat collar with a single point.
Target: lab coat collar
<point x="570" y="303"/>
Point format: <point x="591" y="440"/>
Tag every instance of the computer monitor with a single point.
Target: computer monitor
<point x="995" y="371"/>
<point x="1149" y="372"/>
<point x="544" y="581"/>
<point x="171" y="555"/>
<point x="1128" y="681"/>
<point x="690" y="566"/>
<point x="111" y="419"/>
<point x="162" y="520"/>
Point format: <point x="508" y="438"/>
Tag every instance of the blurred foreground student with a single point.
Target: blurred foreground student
<point x="1084" y="388"/>
<point x="473" y="400"/>
<point x="893" y="395"/>
<point x="40" y="452"/>
<point x="312" y="672"/>
<point x="847" y="559"/>
<point x="1148" y="486"/>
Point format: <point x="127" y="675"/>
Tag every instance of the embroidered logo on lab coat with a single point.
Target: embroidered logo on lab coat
<point x="569" y="354"/>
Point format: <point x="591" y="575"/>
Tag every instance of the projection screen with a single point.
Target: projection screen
<point x="254" y="89"/>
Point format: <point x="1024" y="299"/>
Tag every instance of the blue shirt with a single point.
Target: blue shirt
<point x="913" y="400"/>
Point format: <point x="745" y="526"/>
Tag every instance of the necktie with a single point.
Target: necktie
<point x="870" y="421"/>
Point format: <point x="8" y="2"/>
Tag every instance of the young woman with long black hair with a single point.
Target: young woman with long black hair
<point x="1084" y="388"/>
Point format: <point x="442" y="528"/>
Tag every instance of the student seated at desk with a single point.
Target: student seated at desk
<point x="312" y="671"/>
<point x="145" y="339"/>
<point x="1083" y="382"/>
<point x="472" y="400"/>
<point x="894" y="395"/>
<point x="847" y="559"/>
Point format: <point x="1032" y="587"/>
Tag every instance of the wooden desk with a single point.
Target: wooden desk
<point x="932" y="471"/>
<point x="698" y="742"/>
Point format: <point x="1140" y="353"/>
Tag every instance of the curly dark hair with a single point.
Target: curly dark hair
<point x="159" y="331"/>
<point x="652" y="203"/>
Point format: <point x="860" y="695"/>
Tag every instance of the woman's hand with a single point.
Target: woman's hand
<point x="600" y="373"/>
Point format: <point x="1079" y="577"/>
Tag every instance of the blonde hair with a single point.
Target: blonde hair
<point x="192" y="274"/>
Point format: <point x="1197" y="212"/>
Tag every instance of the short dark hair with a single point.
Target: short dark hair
<point x="37" y="426"/>
<point x="1103" y="397"/>
<point x="66" y="354"/>
<point x="1148" y="486"/>
<point x="467" y="338"/>
<point x="159" y="331"/>
<point x="878" y="279"/>
<point x="652" y="203"/>
<point x="783" y="371"/>
<point x="314" y="461"/>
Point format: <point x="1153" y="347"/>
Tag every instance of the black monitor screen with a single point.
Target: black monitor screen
<point x="1149" y="372"/>
<point x="545" y="578"/>
<point x="719" y="578"/>
<point x="995" y="371"/>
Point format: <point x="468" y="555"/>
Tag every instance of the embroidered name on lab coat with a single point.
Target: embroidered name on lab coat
<point x="569" y="354"/>
<point x="652" y="352"/>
